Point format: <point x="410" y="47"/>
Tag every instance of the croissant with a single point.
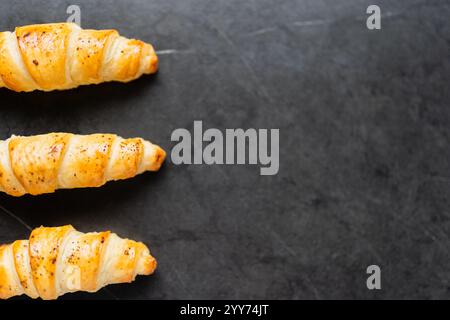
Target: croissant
<point x="60" y="56"/>
<point x="43" y="163"/>
<point x="58" y="260"/>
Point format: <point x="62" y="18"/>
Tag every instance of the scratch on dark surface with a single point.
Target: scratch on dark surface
<point x="177" y="275"/>
<point x="441" y="241"/>
<point x="407" y="219"/>
<point x="391" y="14"/>
<point x="417" y="6"/>
<point x="223" y="172"/>
<point x="360" y="234"/>
<point x="260" y="87"/>
<point x="439" y="178"/>
<point x="15" y="217"/>
<point x="111" y="293"/>
<point x="180" y="279"/>
<point x="444" y="237"/>
<point x="320" y="22"/>
<point x="430" y="234"/>
<point x="285" y="246"/>
<point x="387" y="14"/>
<point x="260" y="31"/>
<point x="174" y="51"/>
<point x="308" y="23"/>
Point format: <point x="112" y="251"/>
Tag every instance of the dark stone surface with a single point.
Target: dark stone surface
<point x="364" y="152"/>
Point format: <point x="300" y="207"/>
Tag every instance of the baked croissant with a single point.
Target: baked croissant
<point x="43" y="163"/>
<point x="61" y="56"/>
<point x="58" y="260"/>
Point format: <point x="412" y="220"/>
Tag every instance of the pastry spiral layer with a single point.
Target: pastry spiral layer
<point x="58" y="260"/>
<point x="60" y="56"/>
<point x="43" y="163"/>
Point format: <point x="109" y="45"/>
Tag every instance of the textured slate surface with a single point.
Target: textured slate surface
<point x="364" y="152"/>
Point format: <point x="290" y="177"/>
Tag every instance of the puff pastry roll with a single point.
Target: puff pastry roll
<point x="58" y="260"/>
<point x="43" y="163"/>
<point x="60" y="56"/>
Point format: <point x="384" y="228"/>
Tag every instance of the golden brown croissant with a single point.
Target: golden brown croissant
<point x="61" y="56"/>
<point x="43" y="163"/>
<point x="58" y="260"/>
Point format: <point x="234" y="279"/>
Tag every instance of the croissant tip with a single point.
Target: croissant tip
<point x="148" y="265"/>
<point x="153" y="264"/>
<point x="160" y="155"/>
<point x="154" y="63"/>
<point x="158" y="158"/>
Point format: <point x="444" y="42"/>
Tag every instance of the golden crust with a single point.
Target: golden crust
<point x="43" y="163"/>
<point x="87" y="160"/>
<point x="87" y="61"/>
<point x="126" y="261"/>
<point x="128" y="65"/>
<point x="9" y="185"/>
<point x="86" y="256"/>
<point x="35" y="160"/>
<point x="126" y="163"/>
<point x="157" y="159"/>
<point x="59" y="56"/>
<point x="10" y="73"/>
<point x="43" y="48"/>
<point x="21" y="262"/>
<point x="6" y="285"/>
<point x="153" y="62"/>
<point x="58" y="260"/>
<point x="44" y="249"/>
<point x="149" y="262"/>
<point x="8" y="181"/>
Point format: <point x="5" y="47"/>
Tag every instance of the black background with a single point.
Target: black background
<point x="364" y="147"/>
